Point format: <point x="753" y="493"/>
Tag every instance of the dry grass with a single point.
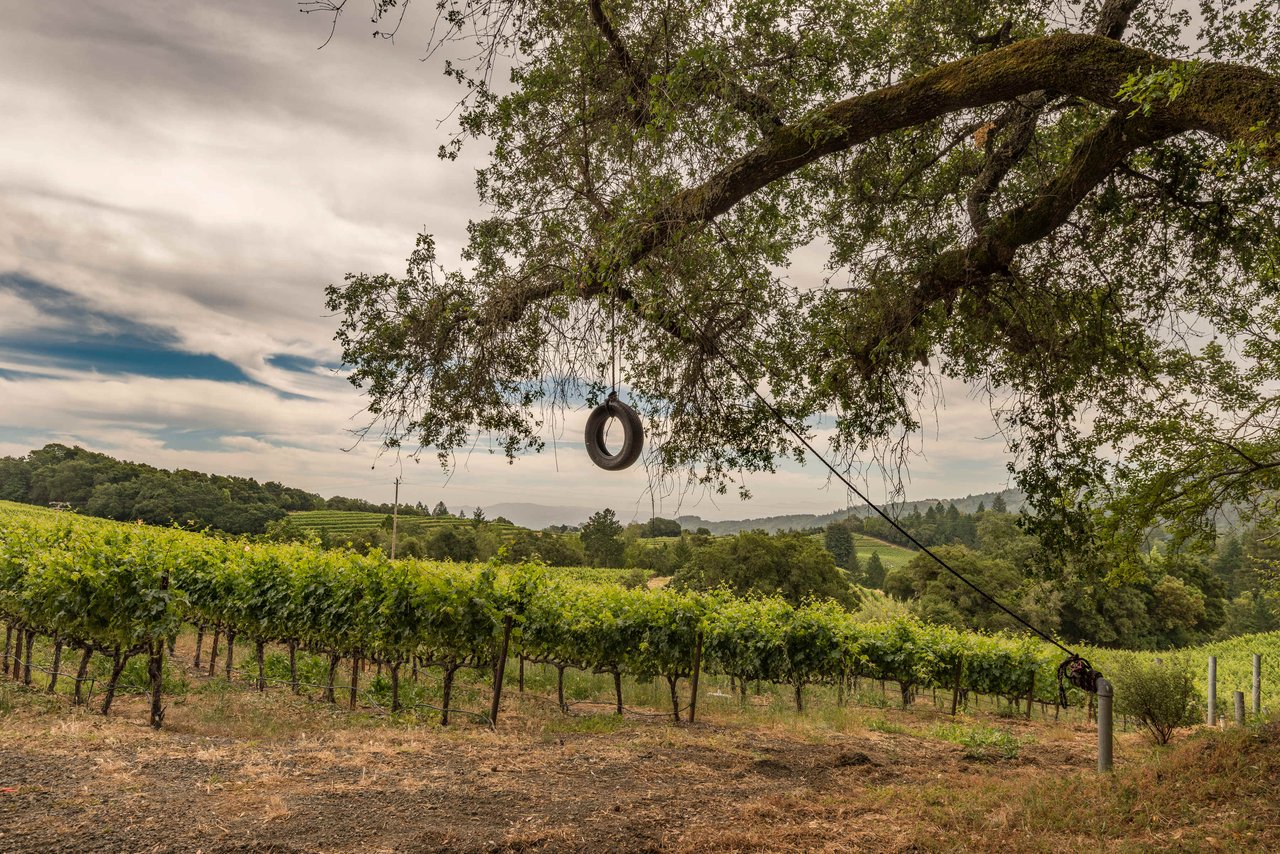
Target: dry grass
<point x="281" y="773"/>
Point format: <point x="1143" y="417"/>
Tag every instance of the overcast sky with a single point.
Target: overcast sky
<point x="180" y="181"/>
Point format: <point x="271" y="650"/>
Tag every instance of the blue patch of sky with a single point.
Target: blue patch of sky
<point x="196" y="440"/>
<point x="21" y="437"/>
<point x="110" y="356"/>
<point x="79" y="337"/>
<point x="298" y="364"/>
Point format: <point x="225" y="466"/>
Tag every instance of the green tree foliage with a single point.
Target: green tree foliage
<point x="874" y="573"/>
<point x="940" y="597"/>
<point x="15" y="480"/>
<point x="838" y="538"/>
<point x="1161" y="697"/>
<point x="1024" y="173"/>
<point x="452" y="542"/>
<point x="662" y="559"/>
<point x="1229" y="561"/>
<point x="792" y="565"/>
<point x="1176" y="605"/>
<point x="549" y="548"/>
<point x="1250" y="613"/>
<point x="602" y="539"/>
<point x="657" y="527"/>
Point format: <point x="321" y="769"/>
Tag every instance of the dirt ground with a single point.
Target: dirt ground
<point x="73" y="781"/>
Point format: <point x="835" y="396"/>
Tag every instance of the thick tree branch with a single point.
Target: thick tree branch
<point x="1231" y="102"/>
<point x="620" y="53"/>
<point x="1113" y="20"/>
<point x="992" y="251"/>
<point x="1021" y="131"/>
<point x="1025" y="114"/>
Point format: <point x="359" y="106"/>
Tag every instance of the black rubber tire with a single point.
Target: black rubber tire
<point x="632" y="433"/>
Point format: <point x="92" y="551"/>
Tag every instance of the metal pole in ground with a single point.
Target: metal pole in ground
<point x="1239" y="708"/>
<point x="1105" y="693"/>
<point x="1257" y="684"/>
<point x="1212" y="715"/>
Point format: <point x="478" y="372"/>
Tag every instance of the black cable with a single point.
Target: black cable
<point x="613" y="340"/>
<point x="781" y="419"/>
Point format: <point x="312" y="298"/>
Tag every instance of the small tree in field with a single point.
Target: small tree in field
<point x="1162" y="697"/>
<point x="602" y="539"/>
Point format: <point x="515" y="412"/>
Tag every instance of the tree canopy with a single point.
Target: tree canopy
<point x="1070" y="207"/>
<point x="792" y="565"/>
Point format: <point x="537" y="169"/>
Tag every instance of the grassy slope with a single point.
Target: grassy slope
<point x="890" y="555"/>
<point x="1209" y="792"/>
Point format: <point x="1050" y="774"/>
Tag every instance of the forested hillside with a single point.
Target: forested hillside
<point x="1172" y="594"/>
<point x="98" y="485"/>
<point x="1010" y="498"/>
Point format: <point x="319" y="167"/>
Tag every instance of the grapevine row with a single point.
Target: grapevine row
<point x="125" y="590"/>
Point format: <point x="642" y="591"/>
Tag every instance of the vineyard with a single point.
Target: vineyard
<point x="352" y="523"/>
<point x="120" y="591"/>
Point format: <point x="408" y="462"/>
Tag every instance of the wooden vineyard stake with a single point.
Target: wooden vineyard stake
<point x="955" y="688"/>
<point x="693" y="690"/>
<point x="499" y="670"/>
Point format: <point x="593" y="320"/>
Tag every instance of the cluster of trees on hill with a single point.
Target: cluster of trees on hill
<point x="99" y="485"/>
<point x="1171" y="597"/>
<point x="936" y="526"/>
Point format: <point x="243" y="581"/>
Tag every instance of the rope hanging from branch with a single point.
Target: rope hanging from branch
<point x="611" y="409"/>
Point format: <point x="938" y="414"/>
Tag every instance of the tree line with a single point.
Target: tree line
<point x="99" y="485"/>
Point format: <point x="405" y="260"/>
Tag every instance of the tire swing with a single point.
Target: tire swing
<point x="632" y="434"/>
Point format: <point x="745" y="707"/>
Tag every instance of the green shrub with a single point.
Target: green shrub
<point x="1162" y="697"/>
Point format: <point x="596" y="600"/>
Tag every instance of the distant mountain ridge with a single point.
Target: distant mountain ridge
<point x="1013" y="499"/>
<point x="538" y="516"/>
<point x="535" y="516"/>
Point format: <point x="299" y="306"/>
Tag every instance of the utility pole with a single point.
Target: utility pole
<point x="395" y="520"/>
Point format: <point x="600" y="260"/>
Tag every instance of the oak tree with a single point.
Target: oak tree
<point x="1071" y="207"/>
